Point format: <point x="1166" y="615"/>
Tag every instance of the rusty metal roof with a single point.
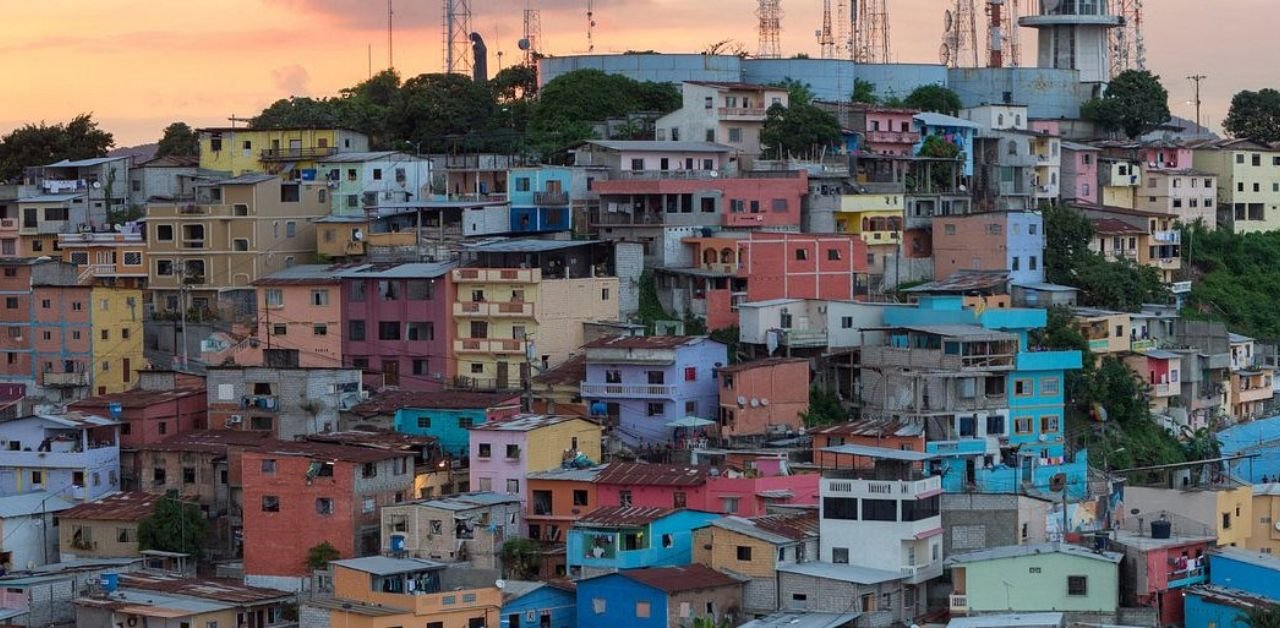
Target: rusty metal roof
<point x="1115" y="226"/>
<point x="390" y="401"/>
<point x="212" y="441"/>
<point x="624" y="516"/>
<point x="677" y="579"/>
<point x="966" y="281"/>
<point x="871" y="427"/>
<point x="218" y="589"/>
<point x="639" y="473"/>
<point x="571" y="372"/>
<point x="137" y="398"/>
<point x="527" y="423"/>
<point x="115" y="507"/>
<point x="757" y="364"/>
<point x="378" y="440"/>
<point x="643" y="342"/>
<point x="327" y="451"/>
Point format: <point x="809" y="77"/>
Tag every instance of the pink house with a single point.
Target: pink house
<point x="300" y="308"/>
<point x="695" y="487"/>
<point x="763" y="397"/>
<point x="671" y="198"/>
<point x="149" y="414"/>
<point x="503" y="453"/>
<point x="1080" y="173"/>
<point x="886" y="130"/>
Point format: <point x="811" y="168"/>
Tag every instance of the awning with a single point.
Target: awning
<point x="690" y="421"/>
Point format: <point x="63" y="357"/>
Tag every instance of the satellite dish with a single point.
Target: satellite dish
<point x="755" y="403"/>
<point x="97" y="184"/>
<point x="742" y="401"/>
<point x="944" y="54"/>
<point x="358" y="235"/>
<point x="948" y="20"/>
<point x="1278" y="525"/>
<point x="1058" y="482"/>
<point x="1134" y="511"/>
<point x="523" y="44"/>
<point x="501" y="584"/>
<point x="764" y="402"/>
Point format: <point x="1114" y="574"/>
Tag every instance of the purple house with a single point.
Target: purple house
<point x="504" y="452"/>
<point x="396" y="322"/>
<point x="642" y="383"/>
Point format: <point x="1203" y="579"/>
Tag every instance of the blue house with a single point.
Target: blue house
<point x="540" y="199"/>
<point x="955" y="130"/>
<point x="657" y="598"/>
<point x="537" y="605"/>
<point x="629" y="537"/>
<point x="444" y="416"/>
<point x="1018" y="440"/>
<point x="1238" y="581"/>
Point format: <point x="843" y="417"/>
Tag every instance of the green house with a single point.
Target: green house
<point x="1033" y="578"/>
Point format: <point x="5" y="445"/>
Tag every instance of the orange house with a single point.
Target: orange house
<point x="557" y="499"/>
<point x="763" y="397"/>
<point x="885" y="433"/>
<point x="383" y="592"/>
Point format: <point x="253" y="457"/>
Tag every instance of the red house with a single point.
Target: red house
<point x="166" y="403"/>
<point x="700" y="488"/>
<point x="1159" y="570"/>
<point x="298" y="495"/>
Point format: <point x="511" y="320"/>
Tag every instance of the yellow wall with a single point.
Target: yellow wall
<point x="114" y="320"/>
<point x="547" y="444"/>
<point x="223" y="618"/>
<point x="350" y="584"/>
<point x="1238" y="502"/>
<point x="1118" y="196"/>
<point x="1266" y="512"/>
<point x="104" y="535"/>
<point x="724" y="552"/>
<point x="234" y="158"/>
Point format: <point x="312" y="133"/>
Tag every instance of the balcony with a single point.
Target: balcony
<point x="1100" y="346"/>
<point x="916" y="574"/>
<point x="804" y="338"/>
<point x="489" y="346"/>
<point x="50" y="227"/>
<point x="628" y="391"/>
<point x="63" y="186"/>
<point x="265" y="403"/>
<point x="1142" y="346"/>
<point x="1253" y="391"/>
<point x="497" y="275"/>
<point x="745" y="114"/>
<point x="1165" y="390"/>
<point x="8" y="224"/>
<point x="65" y="380"/>
<point x="1167" y="237"/>
<point x="933" y="359"/>
<point x="97" y="239"/>
<point x="487" y="309"/>
<point x="550" y="199"/>
<point x="892" y="137"/>
<point x="192" y="209"/>
<point x="863" y="483"/>
<point x="92" y="458"/>
<point x="296" y="153"/>
<point x="1186" y="578"/>
<point x="108" y="271"/>
<point x="658" y="175"/>
<point x="959" y="603"/>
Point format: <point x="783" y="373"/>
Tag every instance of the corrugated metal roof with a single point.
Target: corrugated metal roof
<point x="1014" y="551"/>
<point x="386" y="566"/>
<point x="644" y="342"/>
<point x="414" y="270"/>
<point x="759" y="364"/>
<point x="78" y="420"/>
<point x="31" y="503"/>
<point x="623" y="516"/>
<point x="83" y="163"/>
<point x="381" y="440"/>
<point x="651" y="146"/>
<point x="568" y="474"/>
<point x="246" y="179"/>
<point x="115" y="507"/>
<point x="361" y="157"/>
<point x="937" y="119"/>
<point x="571" y="372"/>
<point x="327" y="451"/>
<point x="677" y="579"/>
<point x="49" y="198"/>
<point x="775" y="529"/>
<point x="882" y="453"/>
<point x="301" y="274"/>
<point x="468" y="501"/>
<point x="388" y="402"/>
<point x="527" y="245"/>
<point x="212" y="441"/>
<point x="215" y="589"/>
<point x="843" y="573"/>
<point x="801" y="619"/>
<point x="872" y="427"/>
<point x="644" y="474"/>
<point x="526" y="423"/>
<point x="965" y="281"/>
<point x="137" y="398"/>
<point x="1248" y="556"/>
<point x="1113" y="226"/>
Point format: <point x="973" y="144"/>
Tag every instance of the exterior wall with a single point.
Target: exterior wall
<point x="1225" y="513"/>
<point x="241" y="149"/>
<point x="148" y="182"/>
<point x="1188" y="195"/>
<point x="1040" y="585"/>
<point x="300" y="401"/>
<point x="760" y="592"/>
<point x="24" y="469"/>
<point x="181" y="415"/>
<point x="448" y="427"/>
<point x="107" y="539"/>
<point x="613" y="600"/>
<point x="551" y="601"/>
<point x="482" y="547"/>
<point x="666" y="68"/>
<point x="775" y="271"/>
<point x="1080" y="176"/>
<point x="801" y="592"/>
<point x="381" y="355"/>
<point x="314" y="330"/>
<point x="1237" y="180"/>
<point x="117" y="338"/>
<point x="397" y="177"/>
<point x="457" y="606"/>
<point x="783" y="387"/>
<point x="1265" y="536"/>
<point x="678" y="526"/>
<point x="998" y="241"/>
<point x="27" y="541"/>
<point x="975" y="521"/>
<point x="541" y="449"/>
<point x="1047" y="93"/>
<point x="564" y="510"/>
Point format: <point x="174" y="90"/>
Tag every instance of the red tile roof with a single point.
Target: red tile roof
<point x="137" y="398"/>
<point x="390" y="401"/>
<point x="643" y="342"/>
<point x="639" y="473"/>
<point x="115" y="507"/>
<point x="677" y="579"/>
<point x="624" y="516"/>
<point x="757" y="364"/>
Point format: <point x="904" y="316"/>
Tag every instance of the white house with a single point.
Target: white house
<point x="28" y="537"/>
<point x="372" y="179"/>
<point x="727" y="113"/>
<point x="75" y="455"/>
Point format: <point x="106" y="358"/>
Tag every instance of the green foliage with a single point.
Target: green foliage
<point x="1067" y="234"/>
<point x="1135" y="103"/>
<point x="318" y="556"/>
<point x="1118" y="285"/>
<point x="1261" y="616"/>
<point x="568" y="104"/>
<point x="443" y="113"/>
<point x="650" y="310"/>
<point x="798" y="93"/>
<point x="41" y="144"/>
<point x="935" y="98"/>
<point x="941" y="174"/>
<point x="180" y="140"/>
<point x="516" y="82"/>
<point x="1255" y="115"/>
<point x="1059" y="333"/>
<point x="174" y="527"/>
<point x="710" y="622"/>
<point x="522" y="557"/>
<point x="864" y="91"/>
<point x="1235" y="279"/>
<point x="824" y="408"/>
<point x="801" y="130"/>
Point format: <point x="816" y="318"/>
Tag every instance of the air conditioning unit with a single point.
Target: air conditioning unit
<point x="235" y="419"/>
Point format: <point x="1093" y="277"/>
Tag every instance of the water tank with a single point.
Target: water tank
<point x="110" y="580"/>
<point x="115" y="409"/>
<point x="397" y="543"/>
<point x="1161" y="529"/>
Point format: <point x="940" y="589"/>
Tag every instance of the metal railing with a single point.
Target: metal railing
<point x="272" y="154"/>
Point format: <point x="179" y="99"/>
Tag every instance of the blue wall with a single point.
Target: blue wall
<point x="561" y="604"/>
<point x="655" y="67"/>
<point x="1262" y="437"/>
<point x="445" y="426"/>
<point x="679" y="525"/>
<point x="1202" y="613"/>
<point x="1047" y="93"/>
<point x="620" y="595"/>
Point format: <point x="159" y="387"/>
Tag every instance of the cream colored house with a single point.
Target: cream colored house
<point x="1248" y="182"/>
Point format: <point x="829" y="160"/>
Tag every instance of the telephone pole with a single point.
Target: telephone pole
<point x="1197" y="78"/>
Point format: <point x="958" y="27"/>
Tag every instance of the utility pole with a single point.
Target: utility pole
<point x="182" y="309"/>
<point x="1197" y="78"/>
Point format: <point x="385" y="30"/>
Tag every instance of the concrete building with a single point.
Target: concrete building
<point x="652" y="598"/>
<point x="74" y="456"/>
<point x="998" y="241"/>
<point x="48" y="320"/>
<point x="377" y="591"/>
<point x="1080" y="173"/>
<point x="763" y="397"/>
<point x="980" y="521"/>
<point x="444" y="416"/>
<point x="503" y="453"/>
<point x="754" y="548"/>
<point x="557" y="499"/>
<point x="1075" y="36"/>
<point x="26" y="522"/>
<point x="758" y="484"/>
<point x="1156" y="571"/>
<point x="1239" y="581"/>
<point x="69" y="197"/>
<point x="1248" y="182"/>
<point x="160" y="598"/>
<point x="45" y="596"/>
<point x="359" y="181"/>
<point x="292" y="153"/>
<point x="298" y="495"/>
<point x="286" y="401"/>
<point x="1051" y="576"/>
<point x="1190" y="195"/>
<point x="1265" y="537"/>
<point x="1223" y="511"/>
<point x="731" y="113"/>
<point x="106" y="527"/>
<point x="549" y="199"/>
<point x="300" y="308"/>
<point x="115" y="259"/>
<point x="877" y="595"/>
<point x="464" y="528"/>
<point x="166" y="178"/>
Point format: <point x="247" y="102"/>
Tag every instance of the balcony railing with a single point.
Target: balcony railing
<point x="66" y="380"/>
<point x="496" y="275"/>
<point x="632" y="391"/>
<point x="50" y="227"/>
<point x="489" y="345"/>
<point x="915" y="574"/>
<point x="550" y="198"/>
<point x="742" y="112"/>
<point x="281" y="154"/>
<point x="1142" y="346"/>
<point x="1164" y="390"/>
<point x="892" y="137"/>
<point x="959" y="603"/>
<point x="804" y="338"/>
<point x="654" y="175"/>
<point x="485" y="309"/>
<point x="1167" y="237"/>
<point x="8" y="224"/>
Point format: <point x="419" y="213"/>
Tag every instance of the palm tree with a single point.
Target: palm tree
<point x="1261" y="617"/>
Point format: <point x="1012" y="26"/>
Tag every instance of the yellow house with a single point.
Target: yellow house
<point x="383" y="592"/>
<point x="275" y="151"/>
<point x="1266" y="519"/>
<point x="877" y="218"/>
<point x="1107" y="332"/>
<point x="1120" y="180"/>
<point x="1248" y="182"/>
<point x="106" y="527"/>
<point x="1224" y="511"/>
<point x="754" y="548"/>
<point x="117" y="338"/>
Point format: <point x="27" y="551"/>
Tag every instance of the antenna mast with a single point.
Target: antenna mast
<point x="457" y="37"/>
<point x="531" y="41"/>
<point x="391" y="17"/>
<point x="871" y="32"/>
<point x="826" y="38"/>
<point x="960" y="39"/>
<point x="1128" y="41"/>
<point x="844" y="30"/>
<point x="770" y="14"/>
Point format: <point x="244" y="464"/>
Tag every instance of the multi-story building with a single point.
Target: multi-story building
<point x="1010" y="241"/>
<point x="286" y="401"/>
<point x="1189" y="195"/>
<point x="299" y="308"/>
<point x="161" y="598"/>
<point x="377" y="591"/>
<point x="106" y="527"/>
<point x="358" y="180"/>
<point x="878" y="220"/>
<point x="1107" y="332"/>
<point x="979" y="521"/>
<point x="48" y="340"/>
<point x="763" y="397"/>
<point x="754" y="548"/>
<point x="1080" y="173"/>
<point x="1248" y="182"/>
<point x="1222" y="509"/>
<point x="762" y="483"/>
<point x="1265" y="536"/>
<point x="117" y="338"/>
<point x="117" y="258"/>
<point x="558" y="498"/>
<point x="26" y="519"/>
<point x="233" y="232"/>
<point x="653" y="598"/>
<point x="1145" y="238"/>
<point x="396" y="320"/>
<point x="73" y="456"/>
<point x="631" y="537"/>
<point x="957" y="131"/>
<point x="69" y="197"/>
<point x="291" y="153"/>
<point x="545" y="199"/>
<point x="504" y="452"/>
<point x="1252" y="383"/>
<point x="646" y="382"/>
<point x="1119" y="181"/>
<point x="444" y="416"/>
<point x="298" y="495"/>
<point x="732" y="114"/>
<point x="1051" y="577"/>
<point x="522" y="301"/>
<point x="1046" y="146"/>
<point x="165" y="179"/>
<point x="469" y="527"/>
<point x="884" y="130"/>
<point x="1157" y="570"/>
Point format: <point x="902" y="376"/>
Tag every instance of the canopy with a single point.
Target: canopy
<point x="690" y="421"/>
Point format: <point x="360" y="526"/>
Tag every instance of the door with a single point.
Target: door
<point x="295" y="147"/>
<point x="391" y="372"/>
<point x="513" y="620"/>
<point x="970" y="471"/>
<point x="503" y="374"/>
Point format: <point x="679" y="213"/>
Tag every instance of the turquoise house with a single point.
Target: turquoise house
<point x="630" y="537"/>
<point x="1035" y="578"/>
<point x="540" y="199"/>
<point x="444" y="416"/>
<point x="955" y="130"/>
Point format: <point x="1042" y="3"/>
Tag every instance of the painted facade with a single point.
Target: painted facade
<point x="364" y="180"/>
<point x="754" y="548"/>
<point x="732" y="114"/>
<point x="396" y="322"/>
<point x="763" y="397"/>
<point x="631" y="537"/>
<point x="291" y="151"/>
<point x="503" y="453"/>
<point x="1052" y="576"/>
<point x="74" y="456"/>
<point x="299" y="308"/>
<point x="1009" y="241"/>
<point x="653" y="598"/>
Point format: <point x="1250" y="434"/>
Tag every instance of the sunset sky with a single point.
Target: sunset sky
<point x="140" y="64"/>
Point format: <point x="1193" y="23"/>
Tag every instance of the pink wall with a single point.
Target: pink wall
<point x="1174" y="158"/>
<point x="180" y="414"/>
<point x="765" y="192"/>
<point x="708" y="497"/>
<point x="497" y="468"/>
<point x="651" y="496"/>
<point x="777" y="270"/>
<point x="299" y="317"/>
<point x="785" y="384"/>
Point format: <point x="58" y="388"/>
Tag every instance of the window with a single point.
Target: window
<point x="268" y="466"/>
<point x="735" y="135"/>
<point x="419" y="366"/>
<point x="355" y="330"/>
<point x="729" y="505"/>
<point x="291" y="229"/>
<point x="654" y="408"/>
<point x="833" y="255"/>
<point x="656" y="378"/>
<point x="279" y="329"/>
<point x="1226" y="521"/>
<point x="1049" y="386"/>
<point x="421" y="331"/>
<point x="388" y="330"/>
<point x="604" y="294"/>
<point x="324" y="506"/>
<point x="780" y="205"/>
<point x="513" y="452"/>
<point x="188" y="475"/>
<point x="319" y="329"/>
<point x="949" y="229"/>
<point x="744" y="552"/>
<point x="879" y="510"/>
<point x="642" y="610"/>
<point x="1049" y="424"/>
<point x="11" y="303"/>
<point x="597" y="605"/>
<point x="513" y="487"/>
<point x="802" y="255"/>
<point x="624" y="498"/>
<point x="840" y="555"/>
<point x="319" y="298"/>
<point x="1077" y="585"/>
<point x="419" y="289"/>
<point x="846" y="322"/>
<point x="637" y="164"/>
<point x="485" y="450"/>
<point x="995" y="425"/>
<point x="1022" y="425"/>
<point x="1022" y="387"/>
<point x="274" y="297"/>
<point x="270" y="503"/>
<point x="841" y="508"/>
<point x="1032" y="262"/>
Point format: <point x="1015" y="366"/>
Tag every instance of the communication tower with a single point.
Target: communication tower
<point x="871" y="31"/>
<point x="959" y="35"/>
<point x="770" y="14"/>
<point x="457" y="37"/>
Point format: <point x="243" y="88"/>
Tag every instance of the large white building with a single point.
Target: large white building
<point x="1073" y="35"/>
<point x="726" y="113"/>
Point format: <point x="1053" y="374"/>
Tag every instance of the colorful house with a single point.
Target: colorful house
<point x="504" y="452"/>
<point x="468" y="527"/>
<point x="887" y="433"/>
<point x="1011" y="241"/>
<point x="106" y="527"/>
<point x="1050" y="576"/>
<point x="630" y="537"/>
<point x="1265" y="537"/>
<point x="538" y="604"/>
<point x="363" y="180"/>
<point x="763" y="397"/>
<point x="117" y="258"/>
<point x="541" y="197"/>
<point x="732" y="113"/>
<point x="747" y="492"/>
<point x="557" y="499"/>
<point x="1248" y="182"/>
<point x="48" y="320"/>
<point x="1157" y="571"/>
<point x="380" y="592"/>
<point x="444" y="416"/>
<point x="291" y="152"/>
<point x="153" y="412"/>
<point x="1079" y="173"/>
<point x="754" y="548"/>
<point x="155" y="598"/>
<point x="656" y="598"/>
<point x="298" y="308"/>
<point x="26" y="519"/>
<point x="642" y="383"/>
<point x="957" y="131"/>
<point x="1239" y="581"/>
<point x="1223" y="510"/>
<point x="75" y="456"/>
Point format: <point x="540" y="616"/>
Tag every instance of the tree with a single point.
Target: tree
<point x="1118" y="285"/>
<point x="174" y="526"/>
<point x="515" y="82"/>
<point x="824" y="408"/>
<point x="1135" y="103"/>
<point x="1261" y="616"/>
<point x="569" y="104"/>
<point x="1255" y="115"/>
<point x="318" y="556"/>
<point x="938" y="147"/>
<point x="1234" y="274"/>
<point x="935" y="98"/>
<point x="798" y="92"/>
<point x="864" y="91"/>
<point x="801" y="130"/>
<point x="1067" y="235"/>
<point x="180" y="140"/>
<point x="442" y="113"/>
<point x="297" y="111"/>
<point x="522" y="558"/>
<point x="40" y="144"/>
